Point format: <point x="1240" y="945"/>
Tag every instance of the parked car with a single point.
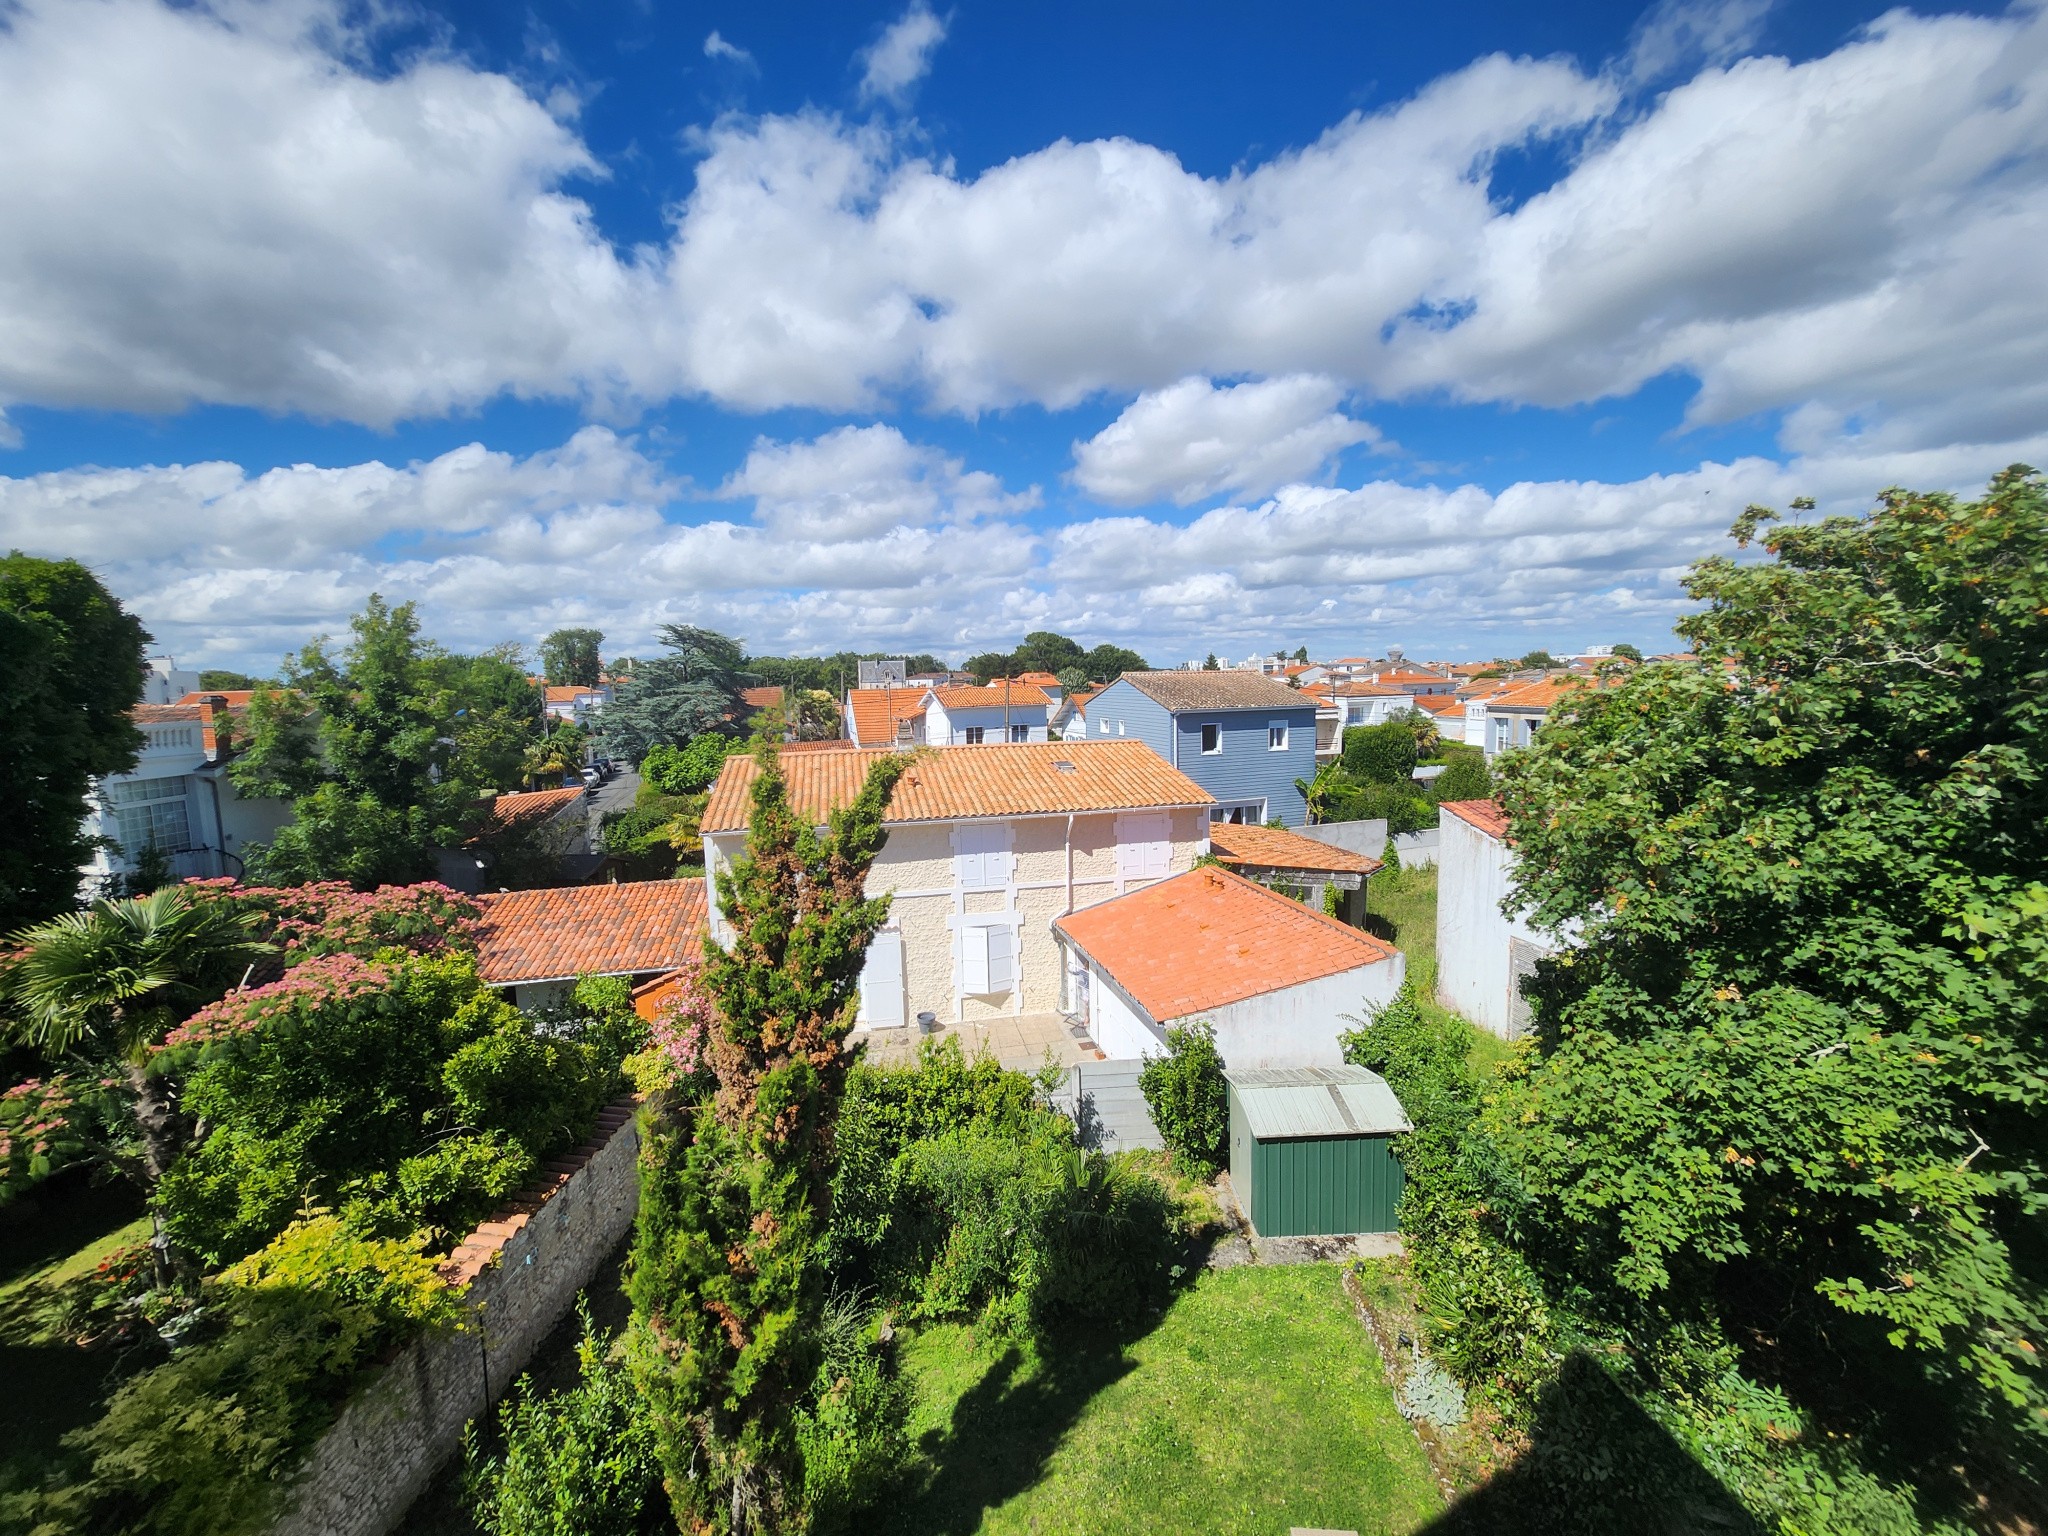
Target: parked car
<point x="592" y="778"/>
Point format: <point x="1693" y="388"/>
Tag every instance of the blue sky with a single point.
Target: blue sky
<point x="1189" y="326"/>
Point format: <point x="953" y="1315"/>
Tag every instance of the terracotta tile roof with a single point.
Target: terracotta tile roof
<point x="1214" y="690"/>
<point x="1019" y="695"/>
<point x="589" y="930"/>
<point x="1542" y="695"/>
<point x="1209" y="938"/>
<point x="1271" y="848"/>
<point x="511" y="813"/>
<point x="1360" y="689"/>
<point x="1486" y="815"/>
<point x="1397" y="679"/>
<point x="873" y="712"/>
<point x="1440" y="704"/>
<point x="761" y="698"/>
<point x="1037" y="679"/>
<point x="234" y="698"/>
<point x="567" y="693"/>
<point x="957" y="783"/>
<point x="165" y="714"/>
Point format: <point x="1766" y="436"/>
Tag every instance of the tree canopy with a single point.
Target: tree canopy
<point x="571" y="656"/>
<point x="70" y="671"/>
<point x="692" y="689"/>
<point x="1044" y="651"/>
<point x="1790" y="1086"/>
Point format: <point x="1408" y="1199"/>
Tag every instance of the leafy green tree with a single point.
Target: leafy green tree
<point x="108" y="984"/>
<point x="70" y="670"/>
<point x="572" y="656"/>
<point x="1106" y="663"/>
<point x="692" y="689"/>
<point x="1628" y="652"/>
<point x="1211" y="664"/>
<point x="1074" y="679"/>
<point x="1044" y="651"/>
<point x="218" y="680"/>
<point x="1790" y="1089"/>
<point x="685" y="770"/>
<point x="1301" y="654"/>
<point x="280" y="759"/>
<point x="1537" y="659"/>
<point x="1465" y="776"/>
<point x="991" y="664"/>
<point x="729" y="1283"/>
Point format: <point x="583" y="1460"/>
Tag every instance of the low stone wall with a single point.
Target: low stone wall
<point x="521" y="1271"/>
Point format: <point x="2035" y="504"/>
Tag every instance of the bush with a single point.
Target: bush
<point x="958" y="1194"/>
<point x="686" y="770"/>
<point x="852" y="1435"/>
<point x="1184" y="1089"/>
<point x="1405" y="810"/>
<point x="1381" y="754"/>
<point x="579" y="1462"/>
<point x="201" y="1446"/>
<point x="1465" y="776"/>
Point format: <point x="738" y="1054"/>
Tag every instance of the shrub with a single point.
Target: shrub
<point x="579" y="1462"/>
<point x="200" y="1446"/>
<point x="686" y="770"/>
<point x="1184" y="1089"/>
<point x="852" y="1435"/>
<point x="1404" y="809"/>
<point x="1381" y="754"/>
<point x="1465" y="776"/>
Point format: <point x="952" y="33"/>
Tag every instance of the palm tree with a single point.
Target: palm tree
<point x="110" y="982"/>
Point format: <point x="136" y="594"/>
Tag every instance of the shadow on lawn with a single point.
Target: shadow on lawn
<point x="1596" y="1463"/>
<point x="1004" y="1431"/>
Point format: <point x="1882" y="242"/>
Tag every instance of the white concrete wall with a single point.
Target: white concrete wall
<point x="1472" y="935"/>
<point x="1122" y="1030"/>
<point x="1299" y="1026"/>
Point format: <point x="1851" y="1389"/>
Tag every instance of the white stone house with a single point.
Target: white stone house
<point x="985" y="850"/>
<point x="1481" y="953"/>
<point x="178" y="798"/>
<point x="1277" y="980"/>
<point x="998" y="714"/>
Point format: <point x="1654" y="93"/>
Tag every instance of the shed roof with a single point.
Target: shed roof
<point x="589" y="930"/>
<point x="507" y="814"/>
<point x="1486" y="815"/>
<point x="1216" y="690"/>
<point x="1210" y="938"/>
<point x="1052" y="778"/>
<point x="1272" y="848"/>
<point x="1300" y="1103"/>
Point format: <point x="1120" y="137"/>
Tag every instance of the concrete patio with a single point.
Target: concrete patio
<point x="1018" y="1043"/>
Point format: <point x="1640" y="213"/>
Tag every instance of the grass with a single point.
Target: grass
<point x="51" y="1240"/>
<point x="1257" y="1403"/>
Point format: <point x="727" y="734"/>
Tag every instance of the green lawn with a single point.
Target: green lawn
<point x="1256" y="1404"/>
<point x="61" y="1232"/>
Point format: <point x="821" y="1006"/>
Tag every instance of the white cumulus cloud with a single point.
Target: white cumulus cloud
<point x="901" y="56"/>
<point x="716" y="47"/>
<point x="1194" y="439"/>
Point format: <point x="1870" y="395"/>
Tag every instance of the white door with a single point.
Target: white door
<point x="881" y="982"/>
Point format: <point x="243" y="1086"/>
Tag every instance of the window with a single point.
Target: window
<point x="974" y="735"/>
<point x="1357" y="713"/>
<point x="1020" y="733"/>
<point x="1276" y="737"/>
<point x="152" y="813"/>
<point x="981" y="856"/>
<point x="1500" y="734"/>
<point x="1102" y="727"/>
<point x="1212" y="737"/>
<point x="1143" y="847"/>
<point x="988" y="959"/>
<point x="1246" y="813"/>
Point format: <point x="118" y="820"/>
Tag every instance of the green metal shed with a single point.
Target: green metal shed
<point x="1311" y="1149"/>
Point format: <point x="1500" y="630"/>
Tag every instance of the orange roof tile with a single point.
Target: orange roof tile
<point x="1409" y="675"/>
<point x="1209" y="938"/>
<point x="234" y="698"/>
<point x="1486" y="815"/>
<point x="165" y="714"/>
<point x="1271" y="848"/>
<point x="1019" y="695"/>
<point x="510" y="813"/>
<point x="761" y="698"/>
<point x="567" y="693"/>
<point x="1539" y="695"/>
<point x="1440" y="704"/>
<point x="961" y="783"/>
<point x="589" y="930"/>
<point x="875" y="711"/>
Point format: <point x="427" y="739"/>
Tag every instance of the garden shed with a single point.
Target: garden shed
<point x="1311" y="1149"/>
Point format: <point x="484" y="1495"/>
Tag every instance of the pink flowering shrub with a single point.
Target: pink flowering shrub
<point x="310" y="984"/>
<point x="333" y="918"/>
<point x="47" y="1123"/>
<point x="681" y="1030"/>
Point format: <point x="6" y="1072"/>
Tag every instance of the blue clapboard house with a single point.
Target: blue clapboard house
<point x="1244" y="738"/>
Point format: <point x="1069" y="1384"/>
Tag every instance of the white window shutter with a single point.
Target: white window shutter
<point x="974" y="961"/>
<point x="1156" y="855"/>
<point x="1002" y="958"/>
